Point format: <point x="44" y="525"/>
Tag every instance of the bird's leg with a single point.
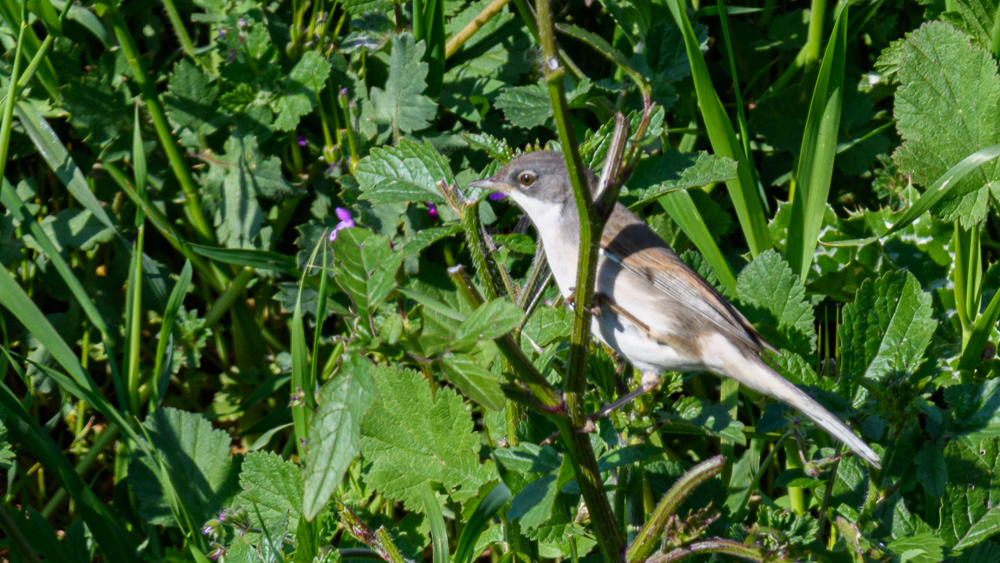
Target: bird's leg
<point x="650" y="382"/>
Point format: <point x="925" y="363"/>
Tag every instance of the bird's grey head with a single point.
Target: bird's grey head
<point x="535" y="180"/>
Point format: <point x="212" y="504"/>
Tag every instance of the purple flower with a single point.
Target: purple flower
<point x="302" y="141"/>
<point x="231" y="57"/>
<point x="432" y="211"/>
<point x="497" y="196"/>
<point x="343" y="91"/>
<point x="241" y="22"/>
<point x="222" y="33"/>
<point x="346" y="221"/>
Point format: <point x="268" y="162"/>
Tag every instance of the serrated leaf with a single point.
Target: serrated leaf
<point x="471" y="376"/>
<point x="196" y="465"/>
<point x="72" y="229"/>
<point x="547" y="324"/>
<point x="402" y="103"/>
<point x="272" y="488"/>
<point x="674" y="170"/>
<point x="887" y="328"/>
<point x="335" y="430"/>
<point x="970" y="509"/>
<point x="976" y="17"/>
<point x="412" y="439"/>
<point x="946" y="108"/>
<point x="489" y="321"/>
<point x="525" y="106"/>
<point x="632" y="16"/>
<point x="404" y="173"/>
<point x="773" y="296"/>
<point x="191" y="103"/>
<point x="238" y="179"/>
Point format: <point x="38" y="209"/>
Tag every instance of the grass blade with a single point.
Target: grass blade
<point x="742" y="190"/>
<point x="439" y="533"/>
<point x="161" y="369"/>
<point x="683" y="211"/>
<point x="481" y="516"/>
<point x="58" y="158"/>
<point x="811" y="186"/>
<point x="108" y="531"/>
<point x="939" y="189"/>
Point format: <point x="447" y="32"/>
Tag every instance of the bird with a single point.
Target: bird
<point x="649" y="305"/>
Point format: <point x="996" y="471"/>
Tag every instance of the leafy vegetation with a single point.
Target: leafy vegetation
<point x="251" y="310"/>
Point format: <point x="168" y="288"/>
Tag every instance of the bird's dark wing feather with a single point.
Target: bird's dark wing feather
<point x="640" y="251"/>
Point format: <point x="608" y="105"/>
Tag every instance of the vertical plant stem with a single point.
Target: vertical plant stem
<point x="609" y="536"/>
<point x="182" y="35"/>
<point x="459" y="39"/>
<point x="154" y="106"/>
<point x="8" y="107"/>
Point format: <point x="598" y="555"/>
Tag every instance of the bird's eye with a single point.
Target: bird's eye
<point x="526" y="178"/>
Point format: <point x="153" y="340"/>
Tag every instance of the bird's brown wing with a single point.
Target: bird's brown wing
<point x="640" y="251"/>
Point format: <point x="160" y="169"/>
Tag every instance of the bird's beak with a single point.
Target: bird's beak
<point x="488" y="184"/>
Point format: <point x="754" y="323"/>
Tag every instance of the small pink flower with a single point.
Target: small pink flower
<point x="302" y="141"/>
<point x="432" y="211"/>
<point x="346" y="221"/>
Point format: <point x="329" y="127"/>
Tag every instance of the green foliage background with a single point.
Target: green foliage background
<point x="231" y="327"/>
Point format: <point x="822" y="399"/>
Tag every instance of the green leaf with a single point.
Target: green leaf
<point x="404" y="173"/>
<point x="887" y="328"/>
<point x="632" y="16"/>
<point x="476" y="524"/>
<point x="773" y="296"/>
<point x="272" y="488"/>
<point x="240" y="177"/>
<point x="673" y="170"/>
<point x="73" y="229"/>
<point x="470" y="375"/>
<point x="814" y="169"/>
<point x="412" y="439"/>
<point x="525" y="106"/>
<point x="970" y="509"/>
<point x="977" y="18"/>
<point x="7" y="455"/>
<point x="402" y="103"/>
<point x="946" y="109"/>
<point x="259" y="259"/>
<point x="334" y="434"/>
<point x="190" y="102"/>
<point x="439" y="533"/>
<point x="58" y="158"/>
<point x="192" y="476"/>
<point x="489" y="321"/>
<point x="743" y="190"/>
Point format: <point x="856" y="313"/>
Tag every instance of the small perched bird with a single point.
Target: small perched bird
<point x="651" y="307"/>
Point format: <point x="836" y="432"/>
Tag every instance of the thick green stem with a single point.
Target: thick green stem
<point x="645" y="543"/>
<point x="609" y="535"/>
<point x="154" y="106"/>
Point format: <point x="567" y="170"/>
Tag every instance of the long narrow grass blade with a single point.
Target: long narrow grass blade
<point x="481" y="516"/>
<point x="58" y="158"/>
<point x="972" y="354"/>
<point x="439" y="533"/>
<point x="683" y="211"/>
<point x="939" y="189"/>
<point x="742" y="190"/>
<point x="103" y="524"/>
<point x="10" y="11"/>
<point x="819" y="149"/>
<point x="78" y="383"/>
<point x="162" y="367"/>
<point x="133" y="324"/>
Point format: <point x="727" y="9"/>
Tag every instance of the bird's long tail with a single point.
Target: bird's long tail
<point x="757" y="375"/>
